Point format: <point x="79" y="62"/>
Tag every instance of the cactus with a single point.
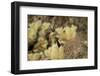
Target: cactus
<point x="57" y="37"/>
<point x="66" y="33"/>
<point x="55" y="52"/>
<point x="32" y="31"/>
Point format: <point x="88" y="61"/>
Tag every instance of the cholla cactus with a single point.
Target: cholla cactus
<point x="55" y="52"/>
<point x="61" y="52"/>
<point x="44" y="27"/>
<point x="66" y="33"/>
<point x="61" y="33"/>
<point x="35" y="56"/>
<point x="32" y="31"/>
<point x="41" y="44"/>
<point x="50" y="37"/>
<point x="70" y="32"/>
